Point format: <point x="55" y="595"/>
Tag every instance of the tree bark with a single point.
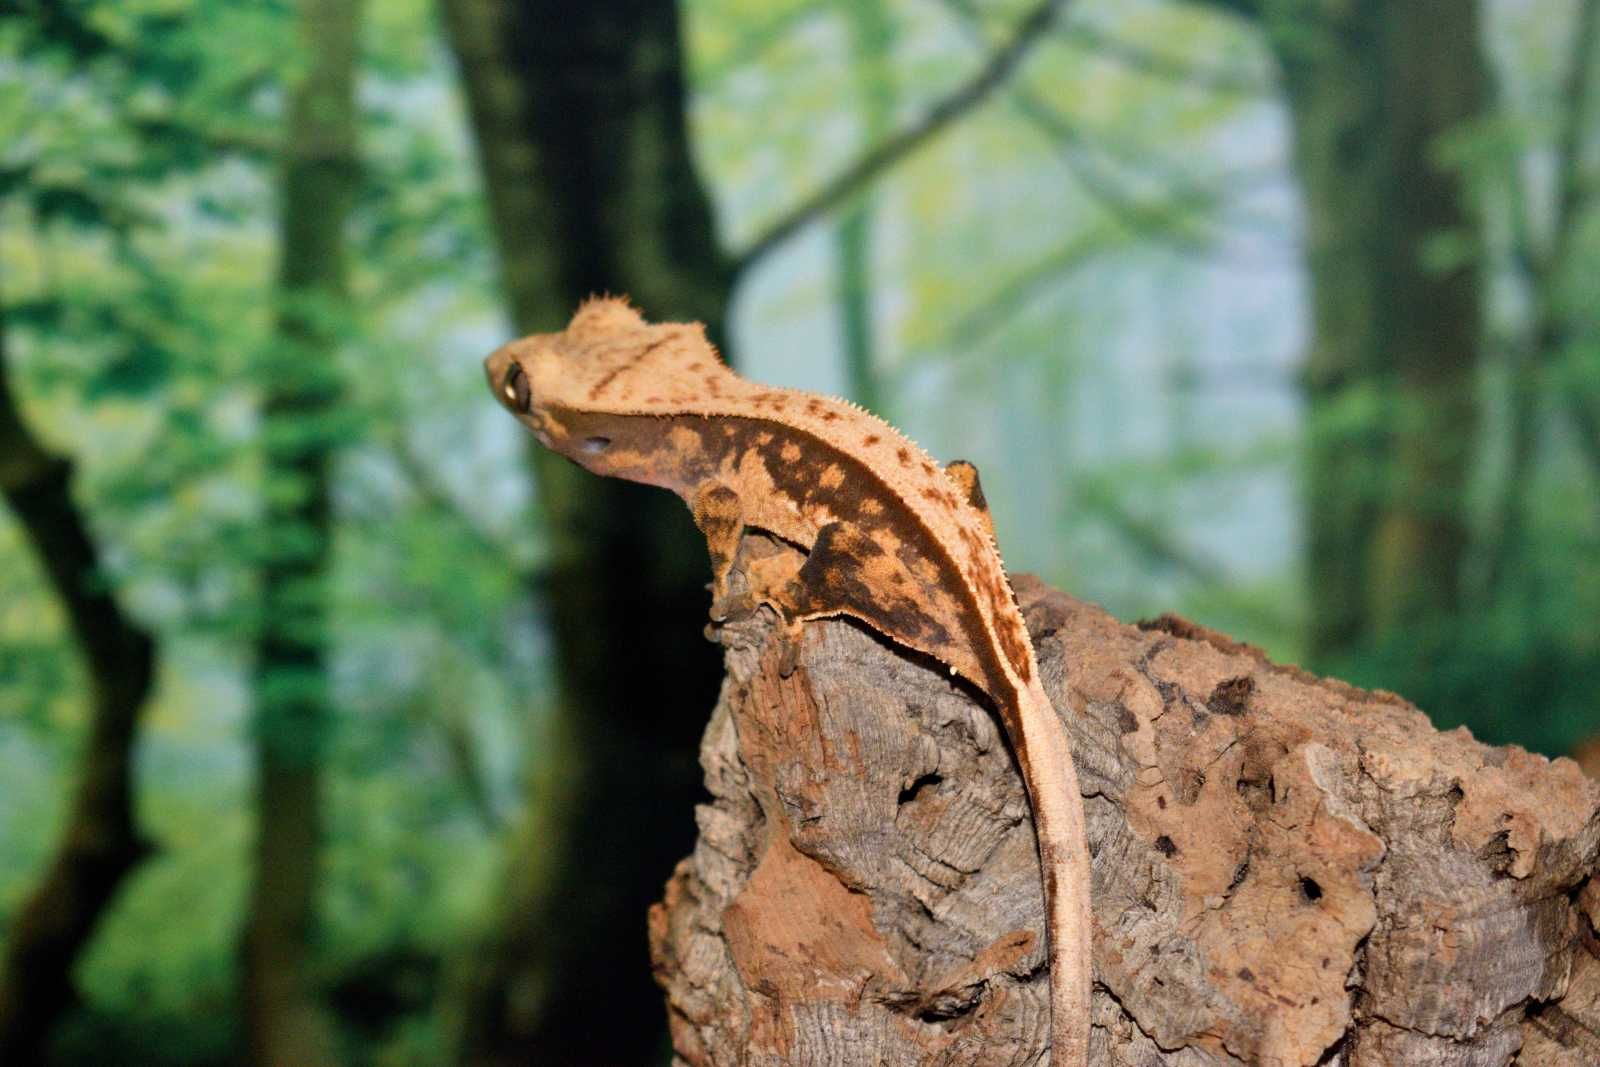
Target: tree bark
<point x="1287" y="870"/>
<point x="1390" y="378"/>
<point x="582" y="139"/>
<point x="100" y="842"/>
<point x="877" y="159"/>
<point x="284" y="1024"/>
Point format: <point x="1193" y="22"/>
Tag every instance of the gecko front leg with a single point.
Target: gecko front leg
<point x="832" y="579"/>
<point x="849" y="572"/>
<point x="720" y="516"/>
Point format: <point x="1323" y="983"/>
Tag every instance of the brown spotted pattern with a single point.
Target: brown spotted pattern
<point x="867" y="558"/>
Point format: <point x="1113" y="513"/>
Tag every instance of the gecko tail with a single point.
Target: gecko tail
<point x="1052" y="782"/>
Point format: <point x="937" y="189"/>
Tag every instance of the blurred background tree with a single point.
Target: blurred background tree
<point x="339" y="725"/>
<point x="302" y="427"/>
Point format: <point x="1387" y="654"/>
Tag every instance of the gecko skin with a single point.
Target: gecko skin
<point x="891" y="539"/>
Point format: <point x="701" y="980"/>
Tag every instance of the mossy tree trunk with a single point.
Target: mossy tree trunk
<point x="582" y="139"/>
<point x="284" y="1026"/>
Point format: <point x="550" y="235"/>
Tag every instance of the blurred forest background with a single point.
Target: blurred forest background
<point x="339" y="727"/>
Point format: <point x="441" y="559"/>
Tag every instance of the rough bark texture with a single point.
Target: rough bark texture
<point x="284" y="1024"/>
<point x="1288" y="870"/>
<point x="100" y="842"/>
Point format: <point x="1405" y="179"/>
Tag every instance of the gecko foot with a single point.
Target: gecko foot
<point x="733" y="607"/>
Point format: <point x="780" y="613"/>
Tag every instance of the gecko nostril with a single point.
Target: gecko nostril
<point x="596" y="445"/>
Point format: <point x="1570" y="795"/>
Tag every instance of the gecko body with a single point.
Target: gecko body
<point x="891" y="539"/>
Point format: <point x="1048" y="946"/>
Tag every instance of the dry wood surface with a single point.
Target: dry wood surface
<point x="1287" y="870"/>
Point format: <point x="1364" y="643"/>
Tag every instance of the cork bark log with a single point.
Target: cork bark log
<point x="1287" y="870"/>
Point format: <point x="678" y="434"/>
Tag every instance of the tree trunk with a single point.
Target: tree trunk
<point x="283" y="1023"/>
<point x="1391" y="375"/>
<point x="871" y="44"/>
<point x="578" y="111"/>
<point x="1287" y="870"/>
<point x="100" y="841"/>
<point x="1551" y="324"/>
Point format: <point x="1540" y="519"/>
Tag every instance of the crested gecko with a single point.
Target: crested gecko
<point x="891" y="539"/>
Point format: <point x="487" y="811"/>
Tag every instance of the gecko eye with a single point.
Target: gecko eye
<point x="596" y="445"/>
<point x="516" y="390"/>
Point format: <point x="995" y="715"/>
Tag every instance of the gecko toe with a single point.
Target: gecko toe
<point x="733" y="607"/>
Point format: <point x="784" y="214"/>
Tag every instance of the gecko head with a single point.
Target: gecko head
<point x="512" y="370"/>
<point x="546" y="380"/>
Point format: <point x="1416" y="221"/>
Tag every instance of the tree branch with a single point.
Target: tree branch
<point x="433" y="493"/>
<point x="100" y="842"/>
<point x="1170" y="219"/>
<point x="1079" y="250"/>
<point x="1148" y="538"/>
<point x="879" y="158"/>
<point x="1129" y="216"/>
<point x="1146" y="61"/>
<point x="221" y="139"/>
<point x="1180" y="216"/>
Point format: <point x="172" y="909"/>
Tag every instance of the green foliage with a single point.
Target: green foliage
<point x="137" y="163"/>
